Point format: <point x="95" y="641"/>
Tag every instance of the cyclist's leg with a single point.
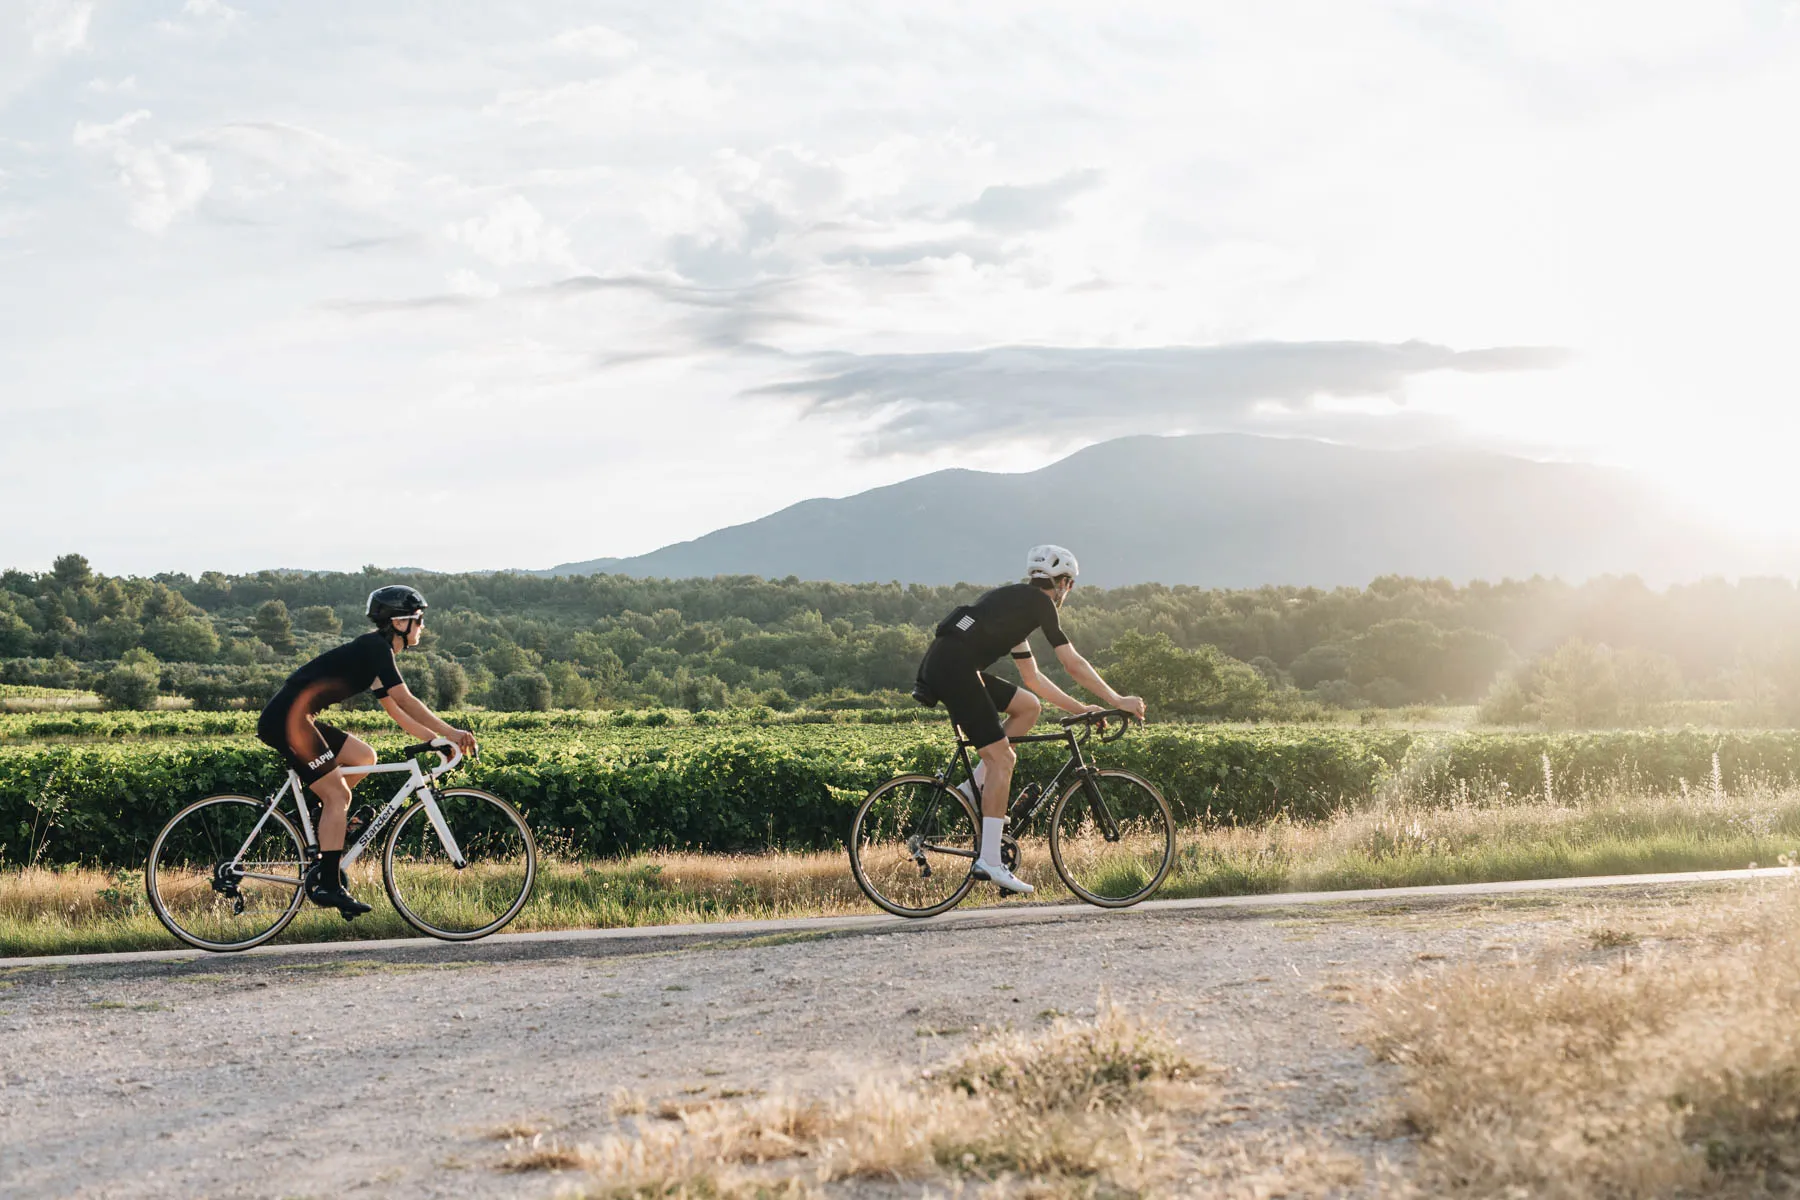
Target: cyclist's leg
<point x="325" y="748"/>
<point x="1019" y="710"/>
<point x="352" y="751"/>
<point x="1022" y="712"/>
<point x="997" y="760"/>
<point x="312" y="750"/>
<point x="975" y="701"/>
<point x="333" y="791"/>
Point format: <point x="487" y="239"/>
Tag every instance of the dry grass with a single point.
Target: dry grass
<point x="1081" y="1109"/>
<point x="1397" y="841"/>
<point x="1108" y="1108"/>
<point x="1629" y="1063"/>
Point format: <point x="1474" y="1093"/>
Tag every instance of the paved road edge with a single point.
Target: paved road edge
<point x="1001" y="915"/>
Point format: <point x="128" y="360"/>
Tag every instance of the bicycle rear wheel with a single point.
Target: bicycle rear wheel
<point x="460" y="901"/>
<point x="218" y="881"/>
<point x="1112" y="838"/>
<point x="911" y="846"/>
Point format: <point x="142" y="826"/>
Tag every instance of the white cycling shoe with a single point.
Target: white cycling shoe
<point x="1002" y="878"/>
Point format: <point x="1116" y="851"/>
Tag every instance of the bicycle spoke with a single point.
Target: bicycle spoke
<point x="1112" y="839"/>
<point x="209" y="896"/>
<point x="911" y="845"/>
<point x="483" y="893"/>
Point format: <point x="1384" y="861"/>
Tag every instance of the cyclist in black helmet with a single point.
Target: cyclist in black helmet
<point x="316" y="750"/>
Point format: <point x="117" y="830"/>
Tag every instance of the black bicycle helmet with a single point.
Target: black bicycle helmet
<point x="395" y="600"/>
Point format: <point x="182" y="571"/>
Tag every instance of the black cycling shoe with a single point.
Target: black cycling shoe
<point x="332" y="894"/>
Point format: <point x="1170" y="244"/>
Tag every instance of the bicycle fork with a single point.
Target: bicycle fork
<point x="1090" y="787"/>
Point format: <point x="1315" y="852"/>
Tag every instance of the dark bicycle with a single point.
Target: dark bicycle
<point x="1112" y="838"/>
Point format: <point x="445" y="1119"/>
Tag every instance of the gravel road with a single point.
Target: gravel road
<point x="387" y="1072"/>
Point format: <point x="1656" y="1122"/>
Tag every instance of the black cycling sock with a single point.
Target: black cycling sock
<point x="329" y="865"/>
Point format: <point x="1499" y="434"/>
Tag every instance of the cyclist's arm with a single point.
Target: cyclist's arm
<point x="1083" y="673"/>
<point x="1040" y="683"/>
<point x="410" y="713"/>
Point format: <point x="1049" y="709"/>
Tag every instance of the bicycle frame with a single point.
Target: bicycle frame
<point x="1022" y="810"/>
<point x="418" y="781"/>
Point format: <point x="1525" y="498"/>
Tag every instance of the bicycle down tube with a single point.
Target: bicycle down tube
<point x="417" y="782"/>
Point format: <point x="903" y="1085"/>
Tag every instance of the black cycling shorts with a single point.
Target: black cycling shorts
<point x="975" y="698"/>
<point x="310" y="747"/>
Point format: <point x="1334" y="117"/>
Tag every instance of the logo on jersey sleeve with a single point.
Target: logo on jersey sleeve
<point x="966" y="623"/>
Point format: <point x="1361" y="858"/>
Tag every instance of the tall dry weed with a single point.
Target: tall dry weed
<point x="1078" y="1109"/>
<point x="1668" y="1069"/>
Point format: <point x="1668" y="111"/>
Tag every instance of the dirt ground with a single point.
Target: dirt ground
<point x="393" y="1072"/>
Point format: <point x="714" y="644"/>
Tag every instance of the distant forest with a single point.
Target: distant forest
<point x="1531" y="650"/>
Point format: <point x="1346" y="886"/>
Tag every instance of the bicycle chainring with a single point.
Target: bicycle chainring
<point x="1009" y="852"/>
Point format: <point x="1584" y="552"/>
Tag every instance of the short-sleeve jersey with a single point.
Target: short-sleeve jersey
<point x="365" y="664"/>
<point x="1003" y="620"/>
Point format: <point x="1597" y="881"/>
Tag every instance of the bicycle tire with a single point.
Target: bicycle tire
<point x="1079" y="844"/>
<point x="884" y="865"/>
<point x="442" y="900"/>
<point x="190" y="850"/>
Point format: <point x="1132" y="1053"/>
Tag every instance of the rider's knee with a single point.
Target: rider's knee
<point x="1026" y="705"/>
<point x="1000" y="753"/>
<point x="356" y="753"/>
<point x="332" y="790"/>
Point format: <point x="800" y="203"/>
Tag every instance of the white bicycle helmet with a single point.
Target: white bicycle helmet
<point x="1051" y="561"/>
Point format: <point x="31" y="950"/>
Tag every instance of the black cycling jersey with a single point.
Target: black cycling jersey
<point x="972" y="637"/>
<point x="1001" y="621"/>
<point x="363" y="665"/>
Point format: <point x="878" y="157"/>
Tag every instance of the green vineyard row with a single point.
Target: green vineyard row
<point x="598" y="790"/>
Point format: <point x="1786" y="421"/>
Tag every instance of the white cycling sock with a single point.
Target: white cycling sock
<point x="991" y="829"/>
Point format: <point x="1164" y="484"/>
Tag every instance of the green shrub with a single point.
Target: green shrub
<point x="129" y="687"/>
<point x="523" y="691"/>
<point x="606" y="784"/>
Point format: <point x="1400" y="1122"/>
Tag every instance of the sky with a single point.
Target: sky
<point x="467" y="285"/>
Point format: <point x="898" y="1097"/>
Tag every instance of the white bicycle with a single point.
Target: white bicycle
<point x="226" y="872"/>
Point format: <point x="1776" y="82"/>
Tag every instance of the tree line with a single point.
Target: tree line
<point x="1529" y="650"/>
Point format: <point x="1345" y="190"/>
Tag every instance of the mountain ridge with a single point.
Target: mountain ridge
<point x="1225" y="510"/>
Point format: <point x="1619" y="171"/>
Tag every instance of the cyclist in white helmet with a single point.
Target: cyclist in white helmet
<point x="970" y="639"/>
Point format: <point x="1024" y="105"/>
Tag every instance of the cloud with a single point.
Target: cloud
<point x="163" y="183"/>
<point x="918" y="402"/>
<point x="612" y="104"/>
<point x="59" y="28"/>
<point x="512" y="233"/>
<point x="271" y="155"/>
<point x="901" y="254"/>
<point x="595" y="41"/>
<point x="1017" y="208"/>
<point x="202" y="16"/>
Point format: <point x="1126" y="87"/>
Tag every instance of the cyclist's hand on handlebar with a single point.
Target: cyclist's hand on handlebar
<point x="465" y="740"/>
<point x="1133" y="705"/>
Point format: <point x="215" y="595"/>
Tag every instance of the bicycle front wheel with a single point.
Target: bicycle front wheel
<point x="467" y="879"/>
<point x="1112" y="838"/>
<point x="225" y="872"/>
<point x="911" y="846"/>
